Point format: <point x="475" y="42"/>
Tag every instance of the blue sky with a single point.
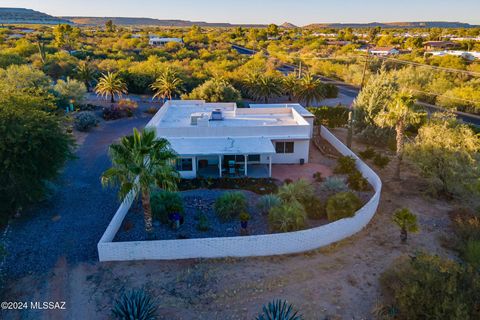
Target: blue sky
<point x="299" y="12"/>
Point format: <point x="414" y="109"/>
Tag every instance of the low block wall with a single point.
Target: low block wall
<point x="245" y="246"/>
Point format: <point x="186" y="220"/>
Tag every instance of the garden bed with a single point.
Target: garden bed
<point x="260" y="186"/>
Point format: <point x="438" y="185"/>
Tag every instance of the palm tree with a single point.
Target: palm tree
<point x="263" y="87"/>
<point x="86" y="73"/>
<point x="111" y="84"/>
<point x="167" y="84"/>
<point x="140" y="161"/>
<point x="290" y="84"/>
<point x="398" y="114"/>
<point x="310" y="89"/>
<point x="406" y="221"/>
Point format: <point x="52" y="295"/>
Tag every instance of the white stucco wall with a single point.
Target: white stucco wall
<point x="300" y="151"/>
<point x="256" y="245"/>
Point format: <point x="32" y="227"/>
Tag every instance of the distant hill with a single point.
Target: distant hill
<point x="97" y="21"/>
<point x="424" y="24"/>
<point x="288" y="25"/>
<point x="27" y="16"/>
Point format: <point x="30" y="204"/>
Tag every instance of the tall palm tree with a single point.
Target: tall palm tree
<point x="290" y="85"/>
<point x="310" y="89"/>
<point x="399" y="114"/>
<point x="86" y="73"/>
<point x="111" y="84"/>
<point x="263" y="86"/>
<point x="140" y="161"/>
<point x="167" y="84"/>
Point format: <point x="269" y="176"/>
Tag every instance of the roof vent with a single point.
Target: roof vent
<point x="216" y="115"/>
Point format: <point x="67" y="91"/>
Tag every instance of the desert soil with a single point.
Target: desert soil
<point x="340" y="281"/>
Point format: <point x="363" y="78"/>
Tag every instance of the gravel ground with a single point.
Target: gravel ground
<point x="133" y="225"/>
<point x="69" y="224"/>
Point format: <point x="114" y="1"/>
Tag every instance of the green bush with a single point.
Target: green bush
<point x="381" y="161"/>
<point x="428" y="287"/>
<point x="85" y="120"/>
<point x="357" y="182"/>
<point x="342" y="205"/>
<point x="267" y="202"/>
<point x="345" y="165"/>
<point x="368" y="153"/>
<point x="335" y="184"/>
<point x="331" y="117"/>
<point x="230" y="204"/>
<point x="471" y="253"/>
<point x="135" y="305"/>
<point x="375" y="136"/>
<point x="315" y="208"/>
<point x="287" y="217"/>
<point x="279" y="310"/>
<point x="318" y="176"/>
<point x="300" y="190"/>
<point x="203" y="223"/>
<point x="165" y="203"/>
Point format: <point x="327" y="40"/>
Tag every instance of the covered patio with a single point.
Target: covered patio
<point x="230" y="157"/>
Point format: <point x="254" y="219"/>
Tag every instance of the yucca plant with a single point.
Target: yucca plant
<point x="135" y="305"/>
<point x="279" y="310"/>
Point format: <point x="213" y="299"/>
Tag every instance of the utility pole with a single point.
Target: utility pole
<point x="351" y="113"/>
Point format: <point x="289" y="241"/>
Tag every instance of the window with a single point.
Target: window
<point x="184" y="164"/>
<point x="236" y="158"/>
<point x="284" y="147"/>
<point x="254" y="157"/>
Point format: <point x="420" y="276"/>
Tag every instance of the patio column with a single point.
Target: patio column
<point x="270" y="166"/>
<point x="245" y="156"/>
<point x="220" y="166"/>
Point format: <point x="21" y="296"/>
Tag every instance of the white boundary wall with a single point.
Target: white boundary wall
<point x="243" y="246"/>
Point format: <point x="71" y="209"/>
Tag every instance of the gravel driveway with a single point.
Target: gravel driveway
<point x="69" y="224"/>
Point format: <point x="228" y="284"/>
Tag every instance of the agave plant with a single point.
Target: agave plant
<point x="279" y="310"/>
<point x="135" y="305"/>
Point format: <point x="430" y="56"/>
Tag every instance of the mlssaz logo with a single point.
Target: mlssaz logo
<point x="48" y="305"/>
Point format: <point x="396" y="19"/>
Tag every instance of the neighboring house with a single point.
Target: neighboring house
<point x="156" y="41"/>
<point x="467" y="55"/>
<point x="219" y="139"/>
<point x="439" y="45"/>
<point x="384" y="51"/>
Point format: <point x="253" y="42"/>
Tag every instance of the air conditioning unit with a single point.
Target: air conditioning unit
<point x="216" y="115"/>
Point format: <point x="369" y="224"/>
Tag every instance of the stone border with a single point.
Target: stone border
<point x="243" y="246"/>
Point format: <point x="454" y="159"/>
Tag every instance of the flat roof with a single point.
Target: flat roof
<point x="221" y="146"/>
<point x="298" y="107"/>
<point x="178" y="114"/>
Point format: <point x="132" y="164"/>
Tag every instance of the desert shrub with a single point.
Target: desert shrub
<point x="471" y="253"/>
<point x="151" y="110"/>
<point x="315" y="208"/>
<point x="230" y="204"/>
<point x="85" y="120"/>
<point x="215" y="90"/>
<point x="164" y="203"/>
<point x="381" y="161"/>
<point x="356" y="181"/>
<point x="70" y="90"/>
<point x="300" y="191"/>
<point x="375" y="136"/>
<point x="287" y="217"/>
<point x="335" y="184"/>
<point x="318" y="176"/>
<point x="345" y="165"/>
<point x="267" y="202"/>
<point x="124" y="108"/>
<point x="331" y="117"/>
<point x="342" y="205"/>
<point x="368" y="153"/>
<point x="203" y="223"/>
<point x="427" y="286"/>
<point x="135" y="305"/>
<point x="279" y="310"/>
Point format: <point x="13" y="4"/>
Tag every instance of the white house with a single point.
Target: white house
<point x="384" y="51"/>
<point x="156" y="41"/>
<point x="219" y="139"/>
